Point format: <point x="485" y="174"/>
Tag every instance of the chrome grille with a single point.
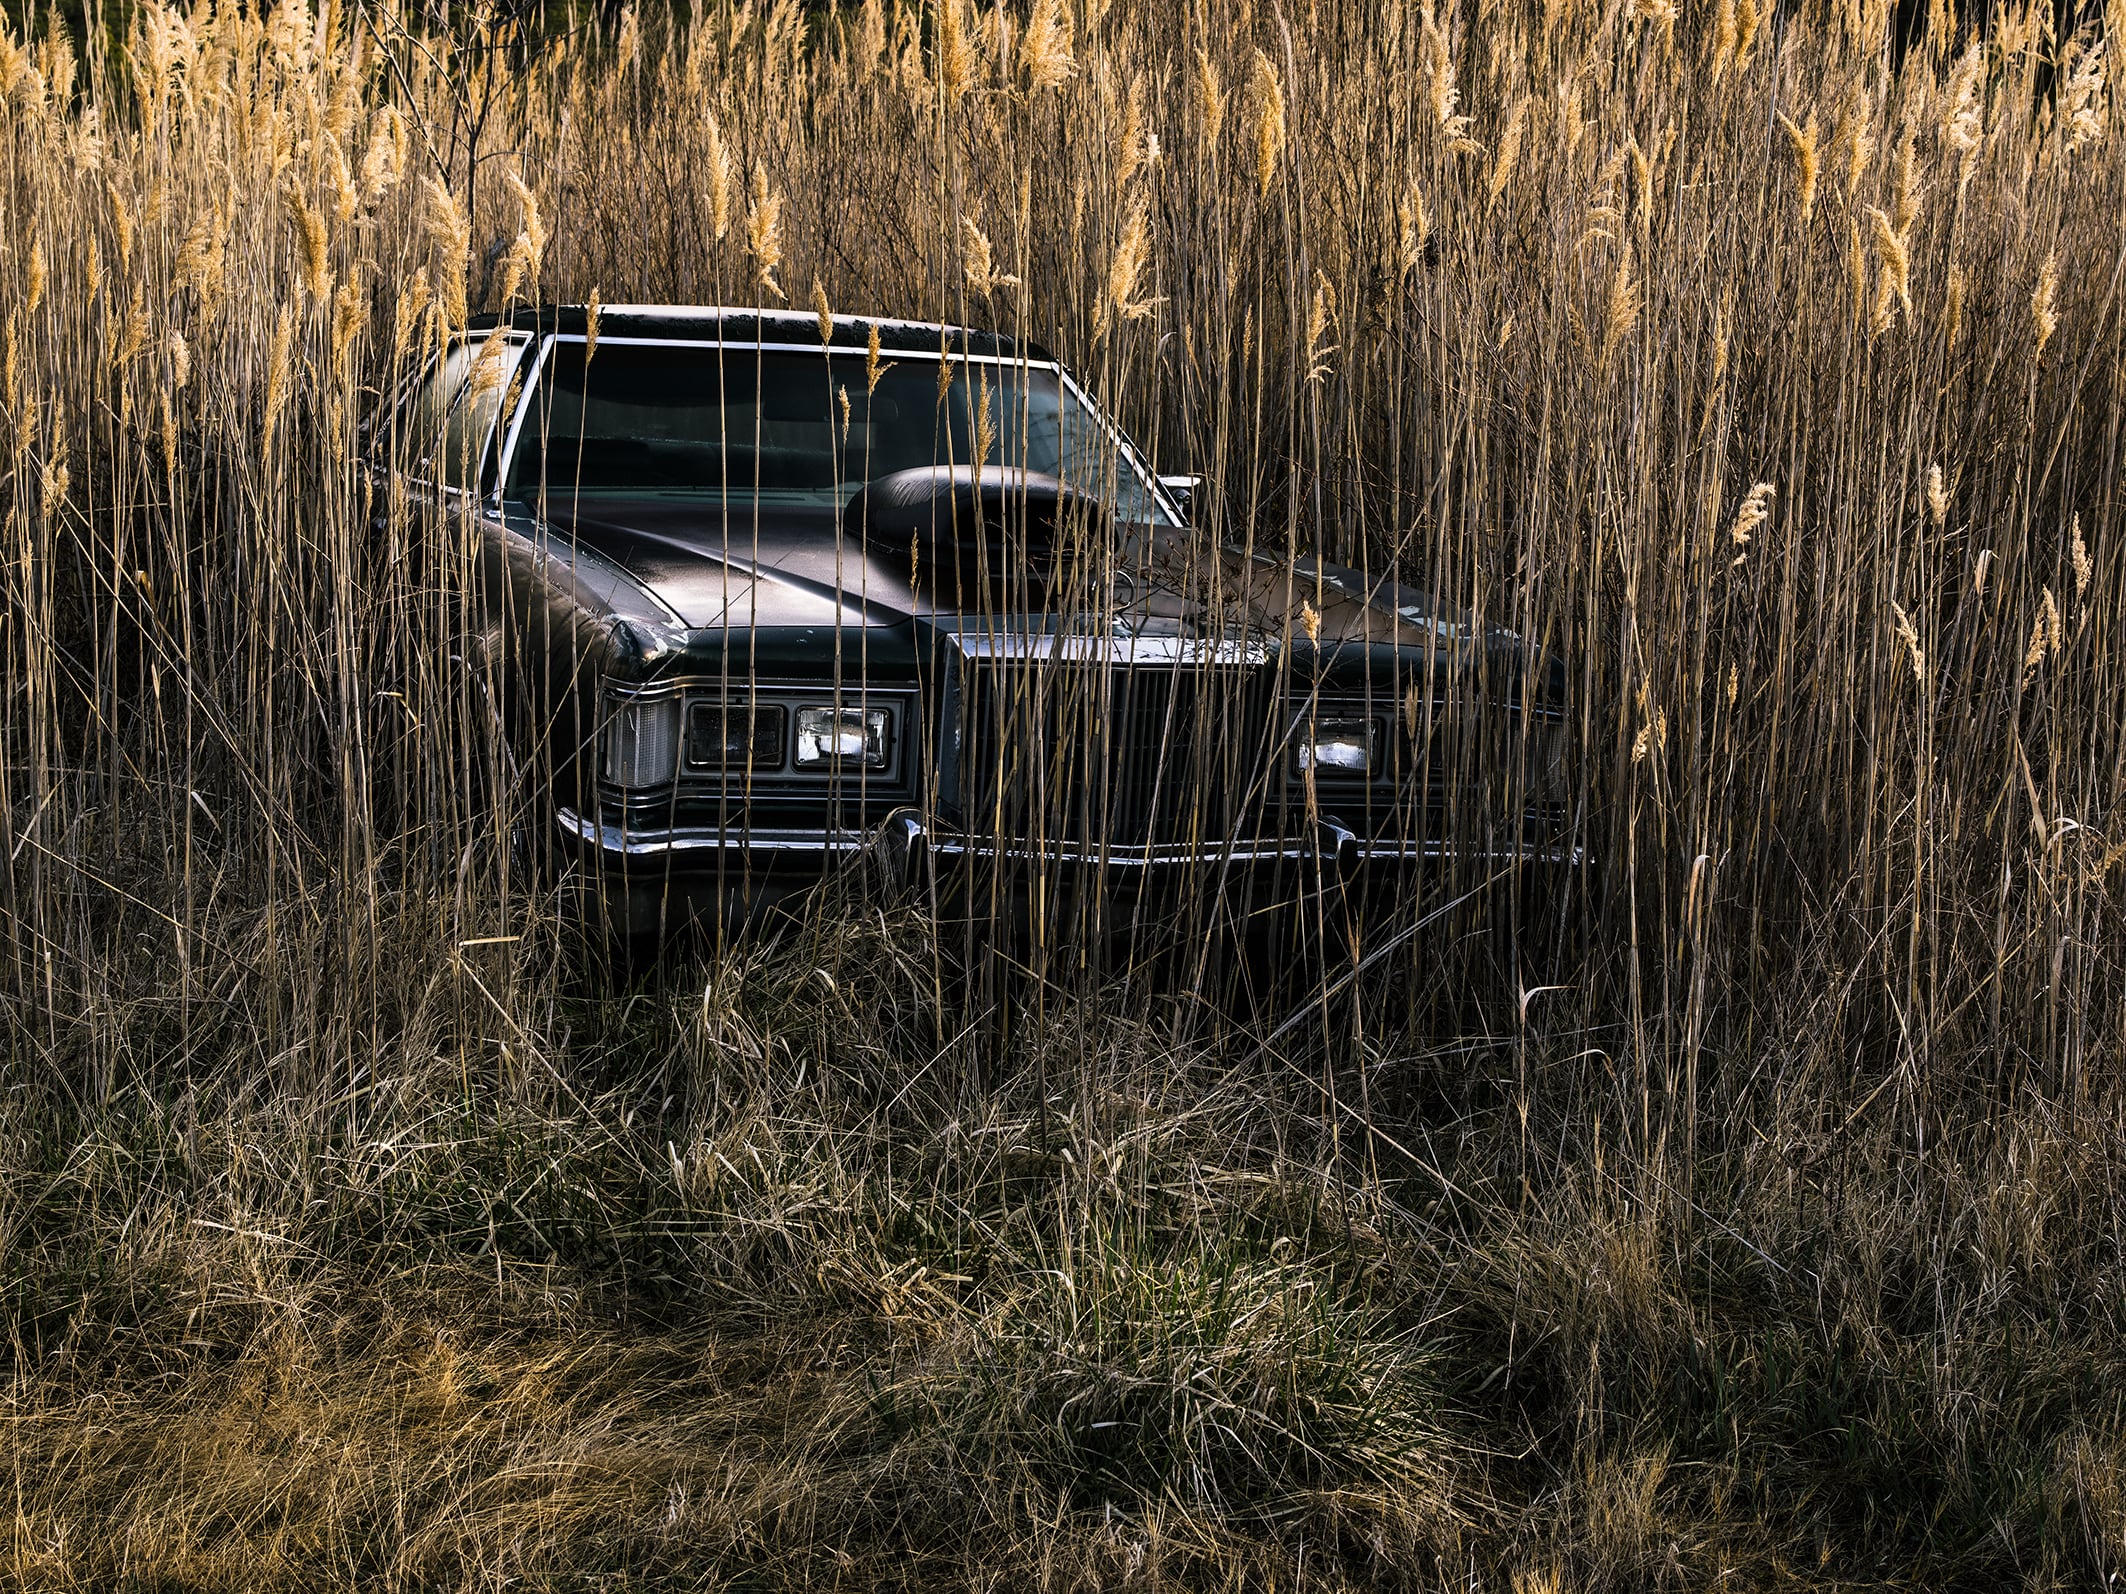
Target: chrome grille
<point x="1109" y="752"/>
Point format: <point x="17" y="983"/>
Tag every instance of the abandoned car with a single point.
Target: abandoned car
<point x="765" y="594"/>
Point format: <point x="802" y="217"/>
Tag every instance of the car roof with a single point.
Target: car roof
<point x="694" y="322"/>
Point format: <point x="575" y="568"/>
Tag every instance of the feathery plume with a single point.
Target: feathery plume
<point x="413" y="302"/>
<point x="1120" y="301"/>
<point x="1413" y="230"/>
<point x="1509" y="149"/>
<point x="1904" y="201"/>
<point x="346" y="200"/>
<point x="350" y="313"/>
<point x="1140" y="147"/>
<point x="1625" y="300"/>
<point x="822" y="312"/>
<point x="1748" y="19"/>
<point x="1858" y="143"/>
<point x="2082" y="567"/>
<point x="385" y="159"/>
<point x="1044" y="48"/>
<point x="2044" y="635"/>
<point x="874" y="369"/>
<point x="1269" y="122"/>
<point x="870" y="46"/>
<point x="1725" y="34"/>
<point x="528" y="248"/>
<point x="310" y="229"/>
<point x="980" y="265"/>
<point x="200" y="258"/>
<point x="531" y="226"/>
<point x="121" y="224"/>
<point x="2044" y="318"/>
<point x="764" y="230"/>
<point x="719" y="163"/>
<point x="1910" y="634"/>
<point x="277" y="374"/>
<point x="985" y="426"/>
<point x="2034" y="654"/>
<point x="1210" y="99"/>
<point x="955" y="55"/>
<point x="1801" y="145"/>
<point x="451" y="234"/>
<point x="1896" y="270"/>
<point x="2083" y="112"/>
<point x="1652" y="738"/>
<point x="1319" y="315"/>
<point x="1755" y="510"/>
<point x="1856" y="268"/>
<point x="1937" y="496"/>
<point x="1446" y="95"/>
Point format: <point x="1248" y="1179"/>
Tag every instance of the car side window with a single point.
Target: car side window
<point x="453" y="415"/>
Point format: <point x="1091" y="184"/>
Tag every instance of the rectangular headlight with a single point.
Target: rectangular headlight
<point x="736" y="735"/>
<point x="1336" y="747"/>
<point x="842" y="738"/>
<point x="642" y="742"/>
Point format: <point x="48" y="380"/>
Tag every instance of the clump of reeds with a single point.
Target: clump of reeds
<point x="1743" y="1198"/>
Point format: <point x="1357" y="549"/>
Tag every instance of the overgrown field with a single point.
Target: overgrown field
<point x="1744" y="1209"/>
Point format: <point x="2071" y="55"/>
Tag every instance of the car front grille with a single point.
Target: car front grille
<point x="1111" y="753"/>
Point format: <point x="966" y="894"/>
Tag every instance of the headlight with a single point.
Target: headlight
<point x="642" y="742"/>
<point x="1336" y="747"/>
<point x="842" y="738"/>
<point x="736" y="735"/>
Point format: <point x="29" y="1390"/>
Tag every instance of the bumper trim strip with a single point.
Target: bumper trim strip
<point x="618" y="842"/>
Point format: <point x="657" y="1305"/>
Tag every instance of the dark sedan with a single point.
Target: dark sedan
<point x="764" y="596"/>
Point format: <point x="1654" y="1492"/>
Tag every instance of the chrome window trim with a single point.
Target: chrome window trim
<point x="1121" y="440"/>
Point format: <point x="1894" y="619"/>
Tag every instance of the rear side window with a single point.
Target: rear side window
<point x="451" y="418"/>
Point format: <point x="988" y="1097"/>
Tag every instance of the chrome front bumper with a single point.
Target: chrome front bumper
<point x="906" y="841"/>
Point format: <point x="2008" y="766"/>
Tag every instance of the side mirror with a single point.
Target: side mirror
<point x="1181" y="489"/>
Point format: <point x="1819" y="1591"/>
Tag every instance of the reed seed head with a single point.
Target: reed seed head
<point x="718" y="161"/>
<point x="2044" y="317"/>
<point x="1210" y="100"/>
<point x="1269" y="122"/>
<point x="978" y="260"/>
<point x="955" y="52"/>
<point x="1044" y="48"/>
<point x="1756" y="508"/>
<point x="764" y="228"/>
<point x="1909" y="634"/>
<point x="1801" y="149"/>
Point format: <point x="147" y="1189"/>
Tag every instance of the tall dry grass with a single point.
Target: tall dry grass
<point x="1751" y="1211"/>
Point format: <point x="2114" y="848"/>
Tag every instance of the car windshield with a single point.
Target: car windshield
<point x="776" y="427"/>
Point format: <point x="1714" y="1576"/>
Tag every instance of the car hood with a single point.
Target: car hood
<point x="781" y="567"/>
<point x="786" y="566"/>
